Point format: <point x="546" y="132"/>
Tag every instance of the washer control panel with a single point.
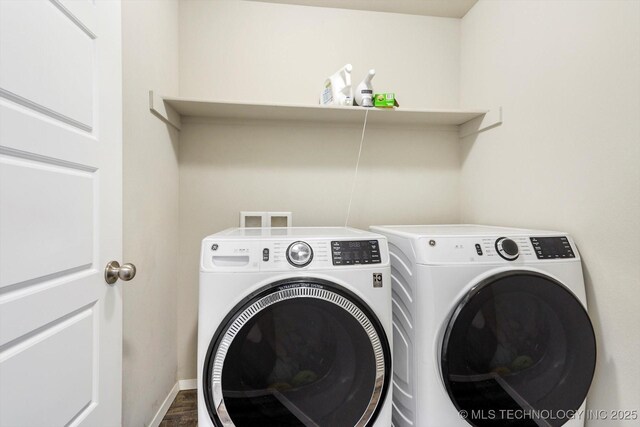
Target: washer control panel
<point x="350" y="252"/>
<point x="272" y="252"/>
<point x="552" y="247"/>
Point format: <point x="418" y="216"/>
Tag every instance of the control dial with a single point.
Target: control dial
<point x="507" y="248"/>
<point x="299" y="254"/>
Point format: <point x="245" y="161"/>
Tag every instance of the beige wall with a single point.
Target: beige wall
<point x="264" y="52"/>
<point x="568" y="155"/>
<point x="250" y="51"/>
<point x="150" y="61"/>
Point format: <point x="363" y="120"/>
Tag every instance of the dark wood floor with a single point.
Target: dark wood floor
<point x="183" y="411"/>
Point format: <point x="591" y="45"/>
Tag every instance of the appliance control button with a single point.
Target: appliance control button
<point x="507" y="248"/>
<point x="299" y="254"/>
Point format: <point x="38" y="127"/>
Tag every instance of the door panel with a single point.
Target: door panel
<point x="70" y="291"/>
<point x="82" y="12"/>
<point x="47" y="61"/>
<point x="60" y="212"/>
<point x="27" y="134"/>
<point x="56" y="204"/>
<point x="61" y="359"/>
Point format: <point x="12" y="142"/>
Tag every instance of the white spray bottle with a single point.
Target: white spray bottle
<point x="337" y="88"/>
<point x="364" y="91"/>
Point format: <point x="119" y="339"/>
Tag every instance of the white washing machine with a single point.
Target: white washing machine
<point x="490" y="327"/>
<point x="294" y="328"/>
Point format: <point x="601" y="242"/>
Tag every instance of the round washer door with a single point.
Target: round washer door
<point x="298" y="353"/>
<point x="519" y="350"/>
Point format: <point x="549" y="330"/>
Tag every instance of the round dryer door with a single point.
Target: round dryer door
<point x="519" y="350"/>
<point x="298" y="353"/>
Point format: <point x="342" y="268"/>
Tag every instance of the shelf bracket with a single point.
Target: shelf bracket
<point x="163" y="111"/>
<point x="485" y="122"/>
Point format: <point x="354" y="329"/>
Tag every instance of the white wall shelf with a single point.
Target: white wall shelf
<point x="171" y="110"/>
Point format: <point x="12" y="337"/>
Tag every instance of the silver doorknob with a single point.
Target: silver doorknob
<point x="115" y="271"/>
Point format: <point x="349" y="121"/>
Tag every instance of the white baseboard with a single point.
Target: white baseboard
<point x="180" y="385"/>
<point x="188" y="384"/>
<point x="157" y="419"/>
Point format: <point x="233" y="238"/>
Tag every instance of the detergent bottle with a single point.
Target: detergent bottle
<point x="337" y="88"/>
<point x="364" y="91"/>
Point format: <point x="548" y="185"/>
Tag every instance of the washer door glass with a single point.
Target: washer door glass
<point x="519" y="350"/>
<point x="298" y="354"/>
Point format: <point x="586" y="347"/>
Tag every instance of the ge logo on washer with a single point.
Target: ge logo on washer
<point x="377" y="280"/>
<point x="214" y="247"/>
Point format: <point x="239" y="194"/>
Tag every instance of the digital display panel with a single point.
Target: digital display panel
<point x="552" y="247"/>
<point x="352" y="252"/>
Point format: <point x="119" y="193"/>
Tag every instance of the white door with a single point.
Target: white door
<point x="60" y="212"/>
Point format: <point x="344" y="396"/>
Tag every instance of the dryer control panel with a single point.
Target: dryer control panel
<point x="512" y="249"/>
<point x="552" y="247"/>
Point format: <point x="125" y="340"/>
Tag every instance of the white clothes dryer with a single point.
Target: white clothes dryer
<point x="490" y="327"/>
<point x="294" y="328"/>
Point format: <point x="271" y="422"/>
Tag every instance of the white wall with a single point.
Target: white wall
<point x="150" y="61"/>
<point x="568" y="154"/>
<point x="251" y="51"/>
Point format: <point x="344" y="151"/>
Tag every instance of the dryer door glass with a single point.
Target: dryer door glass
<point x="298" y="354"/>
<point x="519" y="350"/>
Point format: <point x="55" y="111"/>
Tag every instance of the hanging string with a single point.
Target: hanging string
<point x="355" y="176"/>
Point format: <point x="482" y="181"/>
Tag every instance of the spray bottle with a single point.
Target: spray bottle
<point x="337" y="88"/>
<point x="364" y="91"/>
